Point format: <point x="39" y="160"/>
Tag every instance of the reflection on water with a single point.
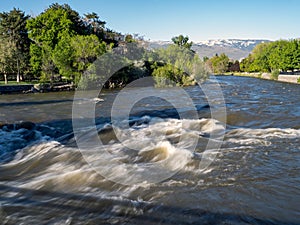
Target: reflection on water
<point x="253" y="179"/>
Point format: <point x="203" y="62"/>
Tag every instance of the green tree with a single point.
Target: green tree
<point x="86" y="50"/>
<point x="182" y="41"/>
<point x="7" y="62"/>
<point x="129" y="38"/>
<point x="94" y="24"/>
<point x="296" y="54"/>
<point x="260" y="58"/>
<point x="63" y="56"/>
<point x="220" y="63"/>
<point x="15" y="42"/>
<point x="246" y="63"/>
<point x="179" y="65"/>
<point x="47" y="30"/>
<point x="73" y="55"/>
<point x="281" y="55"/>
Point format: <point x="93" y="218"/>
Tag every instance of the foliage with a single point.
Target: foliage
<point x="64" y="43"/>
<point x="94" y="25"/>
<point x="274" y="75"/>
<point x="178" y="65"/>
<point x="14" y="55"/>
<point x="182" y="41"/>
<point x="59" y="44"/>
<point x="281" y="55"/>
<point x="234" y="66"/>
<point x="219" y="64"/>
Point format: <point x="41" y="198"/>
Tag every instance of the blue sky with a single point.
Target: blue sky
<point x="200" y="20"/>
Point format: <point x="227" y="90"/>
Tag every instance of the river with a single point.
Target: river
<point x="52" y="174"/>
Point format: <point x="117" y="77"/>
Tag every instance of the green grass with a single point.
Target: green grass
<point x="16" y="83"/>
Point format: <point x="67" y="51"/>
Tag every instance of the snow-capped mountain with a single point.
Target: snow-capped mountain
<point x="235" y="48"/>
<point x="235" y="43"/>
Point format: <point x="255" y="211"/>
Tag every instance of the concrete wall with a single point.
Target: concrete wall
<point x="266" y="76"/>
<point x="288" y="78"/>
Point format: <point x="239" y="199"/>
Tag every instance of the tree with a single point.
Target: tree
<point x="7" y="63"/>
<point x="219" y="64"/>
<point x="73" y="55"/>
<point x="51" y="32"/>
<point x="14" y="36"/>
<point x="94" y="24"/>
<point x="261" y="55"/>
<point x="296" y="54"/>
<point x="234" y="66"/>
<point x="246" y="63"/>
<point x="179" y="65"/>
<point x="182" y="41"/>
<point x="86" y="50"/>
<point x="129" y="38"/>
<point x="281" y="55"/>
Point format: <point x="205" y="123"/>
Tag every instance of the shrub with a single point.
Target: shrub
<point x="274" y="75"/>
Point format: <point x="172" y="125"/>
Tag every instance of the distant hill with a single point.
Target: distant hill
<point x="234" y="48"/>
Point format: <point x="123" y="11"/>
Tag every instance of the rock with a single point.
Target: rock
<point x="26" y="125"/>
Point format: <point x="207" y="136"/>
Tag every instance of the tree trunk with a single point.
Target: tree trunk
<point x="5" y="78"/>
<point x="18" y="73"/>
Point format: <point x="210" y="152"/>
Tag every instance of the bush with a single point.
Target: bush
<point x="275" y="74"/>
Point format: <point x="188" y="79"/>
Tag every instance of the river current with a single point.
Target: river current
<point x="155" y="169"/>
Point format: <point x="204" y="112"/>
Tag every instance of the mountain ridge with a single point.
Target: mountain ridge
<point x="235" y="49"/>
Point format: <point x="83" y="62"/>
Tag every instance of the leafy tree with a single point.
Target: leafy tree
<point x="219" y="64"/>
<point x="7" y="62"/>
<point x="179" y="65"/>
<point x="245" y="64"/>
<point x="15" y="41"/>
<point x="63" y="56"/>
<point x="47" y="30"/>
<point x="261" y="55"/>
<point x="73" y="55"/>
<point x="94" y="24"/>
<point x="129" y="38"/>
<point x="234" y="66"/>
<point x="296" y="54"/>
<point x="281" y="55"/>
<point x="182" y="41"/>
<point x="86" y="51"/>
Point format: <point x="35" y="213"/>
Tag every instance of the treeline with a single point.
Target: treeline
<point x="220" y="64"/>
<point x="59" y="44"/>
<point x="281" y="55"/>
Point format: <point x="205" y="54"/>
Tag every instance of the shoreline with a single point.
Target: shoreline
<point x="35" y="88"/>
<point x="42" y="88"/>
<point x="294" y="79"/>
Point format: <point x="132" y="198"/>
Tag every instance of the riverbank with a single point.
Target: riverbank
<point x="268" y="76"/>
<point x="35" y="88"/>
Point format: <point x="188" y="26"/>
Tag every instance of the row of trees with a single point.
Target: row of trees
<point x="281" y="55"/>
<point x="58" y="42"/>
<point x="14" y="44"/>
<point x="180" y="64"/>
<point x="176" y="65"/>
<point x="219" y="64"/>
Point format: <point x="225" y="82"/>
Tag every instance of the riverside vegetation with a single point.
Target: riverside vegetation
<point x="60" y="45"/>
<point x="276" y="57"/>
